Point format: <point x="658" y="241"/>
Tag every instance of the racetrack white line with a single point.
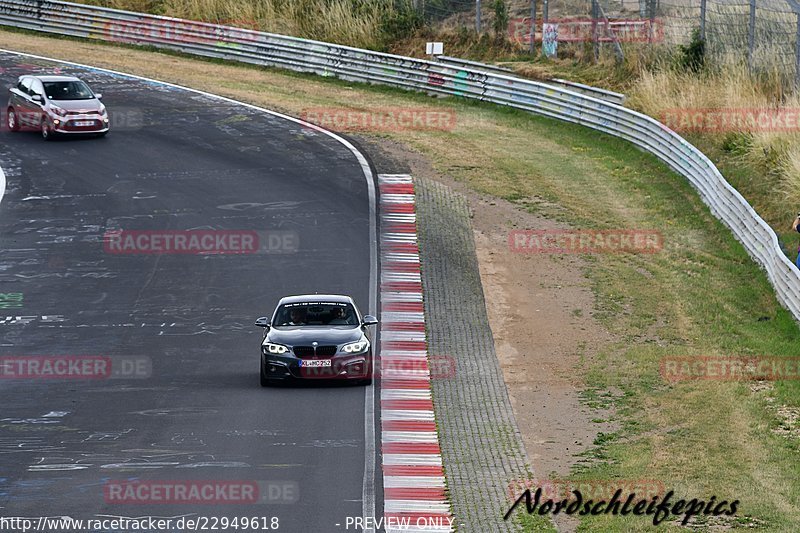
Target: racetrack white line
<point x="368" y="488"/>
<point x="2" y="184"/>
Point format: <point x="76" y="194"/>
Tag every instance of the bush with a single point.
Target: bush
<point x="500" y="20"/>
<point x="402" y="22"/>
<point x="693" y="55"/>
<point x="737" y="142"/>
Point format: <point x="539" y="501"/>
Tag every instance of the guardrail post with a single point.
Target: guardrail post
<point x="546" y="11"/>
<point x="478" y="16"/>
<point x="533" y="27"/>
<point x="751" y="34"/>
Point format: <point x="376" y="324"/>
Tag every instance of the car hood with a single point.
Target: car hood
<point x="304" y="336"/>
<point x="92" y="105"/>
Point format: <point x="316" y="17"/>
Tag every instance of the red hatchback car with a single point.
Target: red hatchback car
<point x="56" y="105"/>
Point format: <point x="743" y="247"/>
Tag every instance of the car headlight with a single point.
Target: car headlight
<point x="355" y="347"/>
<point x="103" y="110"/>
<point x="58" y="111"/>
<point x="268" y="347"/>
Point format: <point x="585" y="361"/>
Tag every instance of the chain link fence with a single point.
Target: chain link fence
<point x="761" y="33"/>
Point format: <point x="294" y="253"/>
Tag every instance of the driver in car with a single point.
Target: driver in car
<point x="296" y="317"/>
<point x="341" y="317"/>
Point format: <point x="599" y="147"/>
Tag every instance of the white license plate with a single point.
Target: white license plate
<point x="315" y="363"/>
<point x="79" y="123"/>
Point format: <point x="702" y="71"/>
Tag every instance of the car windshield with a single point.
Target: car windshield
<point x="316" y="314"/>
<point x="67" y="90"/>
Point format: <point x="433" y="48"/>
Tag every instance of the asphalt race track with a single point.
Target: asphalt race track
<point x="183" y="403"/>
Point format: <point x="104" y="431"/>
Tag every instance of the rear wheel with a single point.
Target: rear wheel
<point x="13" y="122"/>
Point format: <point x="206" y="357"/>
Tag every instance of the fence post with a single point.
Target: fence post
<point x="797" y="56"/>
<point x="533" y="27"/>
<point x="545" y="19"/>
<point x="595" y="40"/>
<point x="478" y="16"/>
<point x="703" y="20"/>
<point x="751" y="34"/>
<point x="610" y="34"/>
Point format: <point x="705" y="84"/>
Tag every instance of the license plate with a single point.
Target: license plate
<point x="79" y="123"/>
<point x="316" y="363"/>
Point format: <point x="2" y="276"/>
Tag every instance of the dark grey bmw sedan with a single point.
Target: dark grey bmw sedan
<point x="316" y="336"/>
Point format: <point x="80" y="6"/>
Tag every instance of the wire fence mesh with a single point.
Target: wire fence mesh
<point x="761" y="33"/>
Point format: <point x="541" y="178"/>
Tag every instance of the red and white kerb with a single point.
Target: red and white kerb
<point x="413" y="478"/>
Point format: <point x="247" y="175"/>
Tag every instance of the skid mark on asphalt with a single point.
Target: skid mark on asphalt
<point x="27" y="444"/>
<point x="252" y="432"/>
<point x="177" y="411"/>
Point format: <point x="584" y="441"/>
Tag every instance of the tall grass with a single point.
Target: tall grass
<point x="361" y="23"/>
<point x="727" y="83"/>
<point x="774" y="152"/>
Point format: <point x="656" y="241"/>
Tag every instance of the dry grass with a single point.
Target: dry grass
<point x="354" y="23"/>
<point x="773" y="151"/>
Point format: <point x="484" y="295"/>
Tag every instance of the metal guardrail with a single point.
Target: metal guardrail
<point x="354" y="64"/>
<point x="483" y="67"/>
<point x="603" y="94"/>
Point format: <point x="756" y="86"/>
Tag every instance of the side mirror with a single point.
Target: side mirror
<point x="262" y="322"/>
<point x="37" y="98"/>
<point x="99" y="96"/>
<point x="369" y="320"/>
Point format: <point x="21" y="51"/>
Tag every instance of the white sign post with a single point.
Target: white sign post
<point x="434" y="49"/>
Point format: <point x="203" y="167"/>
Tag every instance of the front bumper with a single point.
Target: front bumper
<point x="69" y="125"/>
<point x="343" y="367"/>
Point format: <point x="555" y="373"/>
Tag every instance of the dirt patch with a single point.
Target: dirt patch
<point x="540" y="307"/>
